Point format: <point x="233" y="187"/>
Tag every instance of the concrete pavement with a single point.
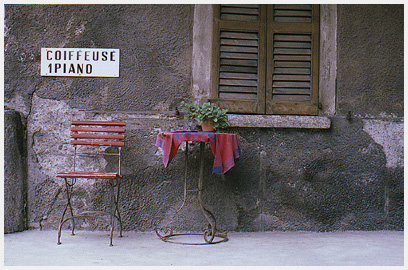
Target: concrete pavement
<point x="91" y="248"/>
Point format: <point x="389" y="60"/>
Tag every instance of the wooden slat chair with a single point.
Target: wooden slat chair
<point x="92" y="135"/>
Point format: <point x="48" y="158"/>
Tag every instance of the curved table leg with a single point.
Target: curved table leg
<point x="166" y="234"/>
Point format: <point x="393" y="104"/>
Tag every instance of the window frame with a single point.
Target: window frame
<point x="202" y="71"/>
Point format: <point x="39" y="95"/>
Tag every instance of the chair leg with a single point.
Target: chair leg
<point x="68" y="189"/>
<point x="113" y="208"/>
<point x="111" y="230"/>
<point x="117" y="212"/>
<point x="60" y="225"/>
<point x="120" y="222"/>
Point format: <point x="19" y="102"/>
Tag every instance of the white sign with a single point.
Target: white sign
<point x="80" y="62"/>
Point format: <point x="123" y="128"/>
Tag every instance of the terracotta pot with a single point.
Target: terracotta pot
<point x="208" y="127"/>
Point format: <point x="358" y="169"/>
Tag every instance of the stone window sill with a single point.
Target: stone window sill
<point x="279" y="121"/>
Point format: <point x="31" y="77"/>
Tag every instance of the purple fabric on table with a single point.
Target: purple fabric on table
<point x="224" y="146"/>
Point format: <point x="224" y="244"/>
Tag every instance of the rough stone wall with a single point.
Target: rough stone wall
<point x="15" y="172"/>
<point x="349" y="177"/>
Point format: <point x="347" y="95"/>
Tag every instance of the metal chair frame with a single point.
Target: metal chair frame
<point x="96" y="134"/>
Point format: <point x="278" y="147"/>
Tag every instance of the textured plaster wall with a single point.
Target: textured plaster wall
<point x="370" y="87"/>
<point x="155" y="45"/>
<point x="370" y="54"/>
<point x="348" y="177"/>
<point x="154" y="42"/>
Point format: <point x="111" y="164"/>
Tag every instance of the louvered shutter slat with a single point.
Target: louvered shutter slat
<point x="292" y="71"/>
<point x="237" y="63"/>
<point x="292" y="64"/>
<point x="241" y="89"/>
<point x="292" y="37"/>
<point x="240" y="35"/>
<point x="291" y="77"/>
<point x="292" y="51"/>
<point x="235" y="55"/>
<point x="293" y="57"/>
<point x="295" y="19"/>
<point x="247" y="69"/>
<point x="283" y="44"/>
<point x="293" y="13"/>
<point x="238" y="42"/>
<point x="239" y="83"/>
<point x="291" y="7"/>
<point x="238" y="10"/>
<point x="245" y="76"/>
<point x="291" y="98"/>
<point x="295" y="91"/>
<point x="239" y="49"/>
<point x="232" y="96"/>
<point x="291" y="84"/>
<point x="238" y="6"/>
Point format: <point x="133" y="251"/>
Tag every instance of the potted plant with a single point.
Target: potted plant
<point x="210" y="116"/>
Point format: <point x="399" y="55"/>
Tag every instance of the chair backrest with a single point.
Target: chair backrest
<point x="98" y="133"/>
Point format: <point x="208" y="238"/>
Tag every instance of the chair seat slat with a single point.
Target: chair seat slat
<point x="99" y="129"/>
<point x="99" y="143"/>
<point x="96" y="136"/>
<point x="90" y="175"/>
<point x="98" y="123"/>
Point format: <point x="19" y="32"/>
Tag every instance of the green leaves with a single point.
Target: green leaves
<point x="206" y="112"/>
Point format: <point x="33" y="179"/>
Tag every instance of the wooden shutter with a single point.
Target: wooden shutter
<point x="238" y="78"/>
<point x="266" y="58"/>
<point x="293" y="61"/>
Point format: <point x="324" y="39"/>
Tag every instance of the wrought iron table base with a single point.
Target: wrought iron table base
<point x="210" y="235"/>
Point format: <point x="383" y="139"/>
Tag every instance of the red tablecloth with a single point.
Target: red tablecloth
<point x="224" y="146"/>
